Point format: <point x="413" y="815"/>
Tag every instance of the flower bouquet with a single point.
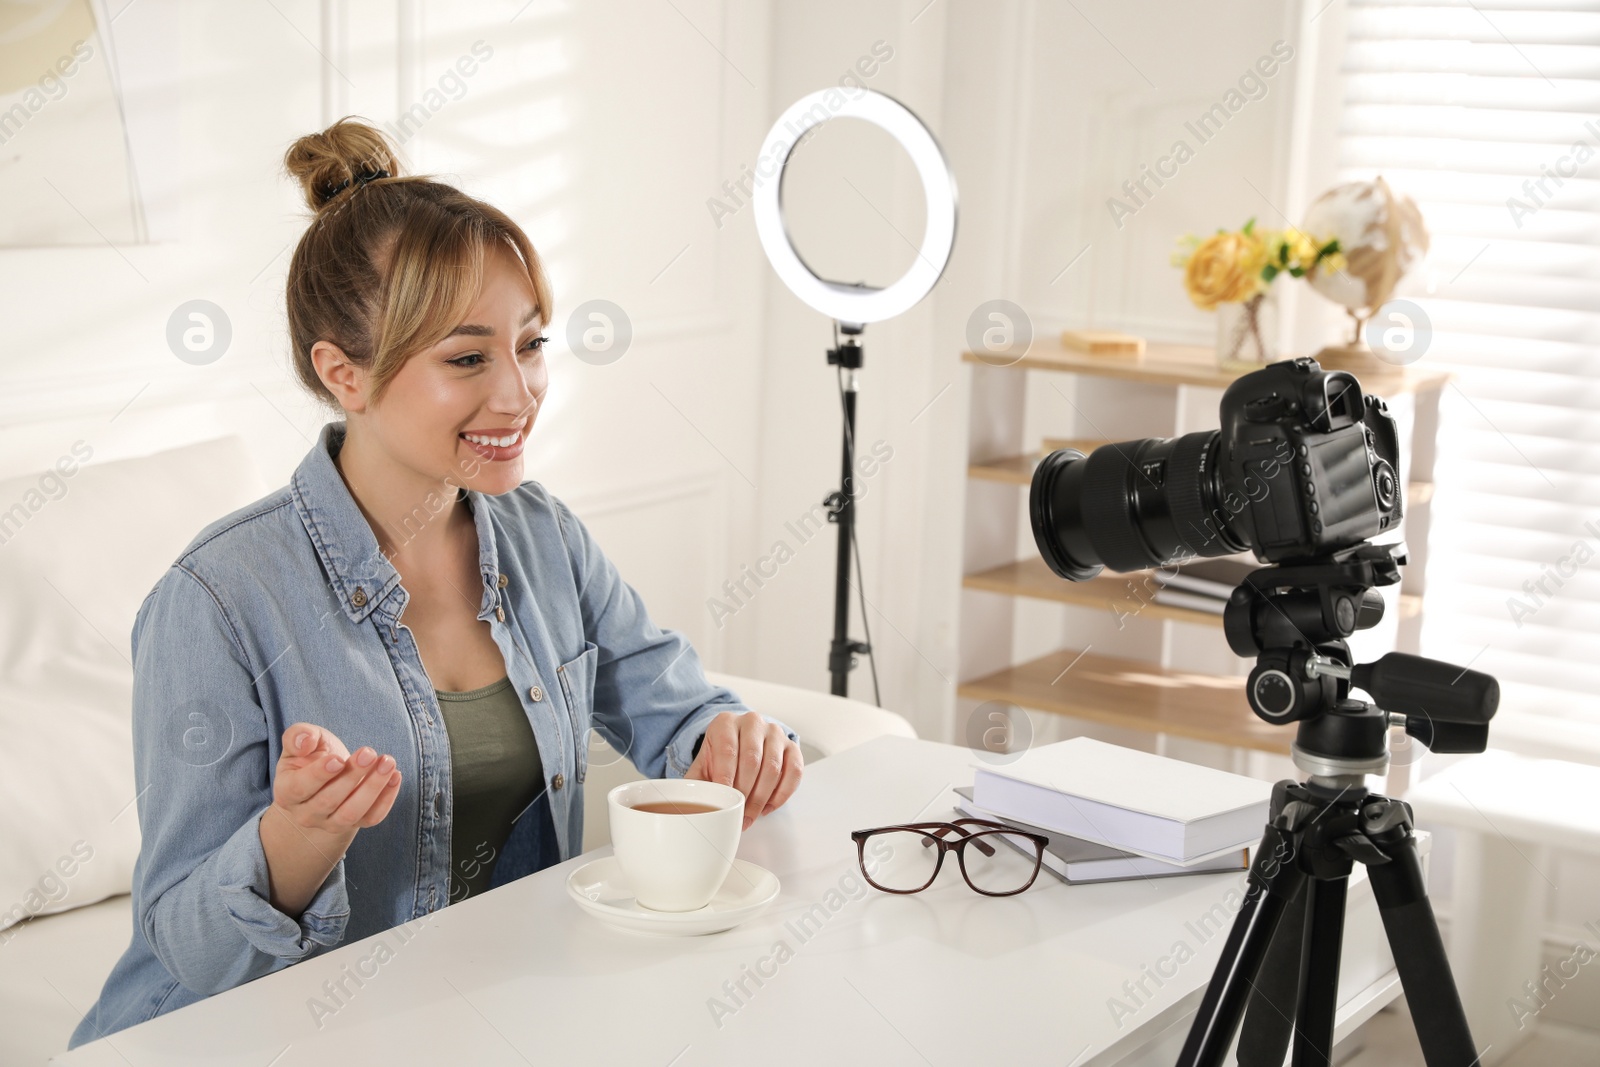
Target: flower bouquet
<point x="1231" y="272"/>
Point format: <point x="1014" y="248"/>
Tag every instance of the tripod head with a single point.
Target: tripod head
<point x="1294" y="618"/>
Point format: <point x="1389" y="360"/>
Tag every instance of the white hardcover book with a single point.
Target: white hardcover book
<point x="1139" y="802"/>
<point x="1079" y="862"/>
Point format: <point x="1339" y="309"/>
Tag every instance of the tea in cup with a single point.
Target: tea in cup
<point x="675" y="839"/>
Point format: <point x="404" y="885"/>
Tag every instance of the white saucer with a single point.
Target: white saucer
<point x="601" y="890"/>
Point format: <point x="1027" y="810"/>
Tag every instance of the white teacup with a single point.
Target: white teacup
<point x="675" y="862"/>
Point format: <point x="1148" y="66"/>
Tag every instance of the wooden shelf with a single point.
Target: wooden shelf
<point x="1082" y="444"/>
<point x="1107" y="591"/>
<point x="1017" y="470"/>
<point x="1170" y="364"/>
<point x="1135" y="695"/>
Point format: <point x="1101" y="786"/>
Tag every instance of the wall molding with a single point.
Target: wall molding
<point x="611" y="499"/>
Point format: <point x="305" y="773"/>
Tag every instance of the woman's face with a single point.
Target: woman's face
<point x="486" y="380"/>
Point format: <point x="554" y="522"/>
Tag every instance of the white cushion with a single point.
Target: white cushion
<point x="826" y="724"/>
<point x="51" y="969"/>
<point x="80" y="547"/>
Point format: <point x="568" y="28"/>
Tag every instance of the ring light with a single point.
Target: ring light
<point x="858" y="304"/>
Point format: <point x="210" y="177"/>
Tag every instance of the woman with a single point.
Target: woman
<point x="368" y="695"/>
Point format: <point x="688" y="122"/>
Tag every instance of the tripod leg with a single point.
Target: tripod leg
<point x="1269" y="1020"/>
<point x="1274" y="881"/>
<point x="1419" y="956"/>
<point x="1319" y="972"/>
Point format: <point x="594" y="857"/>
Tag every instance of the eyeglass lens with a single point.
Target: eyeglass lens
<point x="1013" y="863"/>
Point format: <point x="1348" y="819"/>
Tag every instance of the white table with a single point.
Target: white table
<point x="521" y="975"/>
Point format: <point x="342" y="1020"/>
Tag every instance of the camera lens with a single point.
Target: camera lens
<point x="1131" y="505"/>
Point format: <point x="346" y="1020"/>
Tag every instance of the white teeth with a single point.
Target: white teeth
<point x="497" y="442"/>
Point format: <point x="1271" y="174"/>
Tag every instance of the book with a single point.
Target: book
<point x="1211" y="577"/>
<point x="1105" y="343"/>
<point x="1156" y="807"/>
<point x="1079" y="862"/>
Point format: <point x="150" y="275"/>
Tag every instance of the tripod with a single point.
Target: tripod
<point x="1289" y="929"/>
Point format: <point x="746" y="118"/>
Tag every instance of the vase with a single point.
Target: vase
<point x="1247" y="333"/>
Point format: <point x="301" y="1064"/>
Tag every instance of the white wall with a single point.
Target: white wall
<point x="601" y="127"/>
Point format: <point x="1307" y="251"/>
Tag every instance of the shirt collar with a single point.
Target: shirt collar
<point x="358" y="571"/>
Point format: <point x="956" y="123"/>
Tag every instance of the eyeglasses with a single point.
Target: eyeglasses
<point x="906" y="858"/>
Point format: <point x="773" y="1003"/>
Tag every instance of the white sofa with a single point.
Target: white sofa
<point x="74" y="567"/>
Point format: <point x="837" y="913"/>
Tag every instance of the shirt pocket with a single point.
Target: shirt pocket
<point x="577" y="689"/>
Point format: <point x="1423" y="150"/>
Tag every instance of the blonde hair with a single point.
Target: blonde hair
<point x="390" y="265"/>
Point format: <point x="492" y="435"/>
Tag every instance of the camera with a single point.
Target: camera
<point x="1304" y="465"/>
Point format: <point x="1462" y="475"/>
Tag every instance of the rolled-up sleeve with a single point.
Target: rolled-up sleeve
<point x="652" y="700"/>
<point x="201" y="893"/>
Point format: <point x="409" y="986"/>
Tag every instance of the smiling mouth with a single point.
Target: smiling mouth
<point x="497" y="452"/>
<point x="494" y="440"/>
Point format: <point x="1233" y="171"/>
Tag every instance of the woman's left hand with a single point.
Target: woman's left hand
<point x="755" y="756"/>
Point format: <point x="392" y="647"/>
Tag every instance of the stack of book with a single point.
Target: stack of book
<point x="1115" y="813"/>
<point x="1202" y="584"/>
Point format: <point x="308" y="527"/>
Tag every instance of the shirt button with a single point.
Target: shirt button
<point x="500" y="614"/>
<point x="502" y="581"/>
<point x="536" y="693"/>
<point x="359" y="597"/>
<point x="558" y="781"/>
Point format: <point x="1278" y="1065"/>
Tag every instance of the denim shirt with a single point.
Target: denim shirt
<point x="287" y="611"/>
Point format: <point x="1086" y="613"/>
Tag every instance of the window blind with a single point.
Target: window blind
<point x="1488" y="115"/>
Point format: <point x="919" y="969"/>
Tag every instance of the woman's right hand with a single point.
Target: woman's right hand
<point x="322" y="787"/>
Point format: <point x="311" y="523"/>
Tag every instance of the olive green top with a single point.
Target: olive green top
<point x="495" y="773"/>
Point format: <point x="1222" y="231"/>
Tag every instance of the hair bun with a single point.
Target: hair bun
<point x="344" y="155"/>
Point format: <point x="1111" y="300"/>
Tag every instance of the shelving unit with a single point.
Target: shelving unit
<point x="1131" y="693"/>
<point x="1134" y="693"/>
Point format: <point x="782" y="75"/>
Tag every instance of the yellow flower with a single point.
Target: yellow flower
<point x="1225" y="269"/>
<point x="1302" y="249"/>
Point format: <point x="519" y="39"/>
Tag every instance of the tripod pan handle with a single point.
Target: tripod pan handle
<point x="1415" y="685"/>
